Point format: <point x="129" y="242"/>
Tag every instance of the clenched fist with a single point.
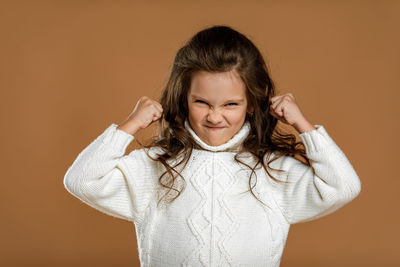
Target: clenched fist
<point x="284" y="108"/>
<point x="145" y="112"/>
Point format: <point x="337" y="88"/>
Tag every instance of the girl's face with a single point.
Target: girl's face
<point x="217" y="106"/>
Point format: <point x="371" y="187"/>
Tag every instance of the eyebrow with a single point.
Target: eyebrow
<point x="230" y="100"/>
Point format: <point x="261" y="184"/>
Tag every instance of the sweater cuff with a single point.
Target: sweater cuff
<point x="116" y="138"/>
<point x="316" y="140"/>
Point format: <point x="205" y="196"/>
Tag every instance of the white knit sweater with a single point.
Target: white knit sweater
<point x="211" y="223"/>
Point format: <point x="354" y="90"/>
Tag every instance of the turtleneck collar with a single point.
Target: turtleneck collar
<point x="234" y="144"/>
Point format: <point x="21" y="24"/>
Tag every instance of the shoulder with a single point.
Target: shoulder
<point x="149" y="157"/>
<point x="284" y="162"/>
<point x="142" y="162"/>
<point x="153" y="152"/>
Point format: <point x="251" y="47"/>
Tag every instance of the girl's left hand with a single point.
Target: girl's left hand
<point x="284" y="108"/>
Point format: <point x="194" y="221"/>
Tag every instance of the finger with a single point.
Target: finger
<point x="160" y="107"/>
<point x="154" y="118"/>
<point x="156" y="106"/>
<point x="156" y="112"/>
<point x="275" y="106"/>
<point x="276" y="103"/>
<point x="275" y="98"/>
<point x="291" y="95"/>
<point x="273" y="113"/>
<point x="280" y="107"/>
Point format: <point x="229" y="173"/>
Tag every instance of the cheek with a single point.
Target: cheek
<point x="236" y="115"/>
<point x="196" y="114"/>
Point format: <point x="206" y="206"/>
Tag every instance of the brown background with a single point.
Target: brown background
<point x="68" y="69"/>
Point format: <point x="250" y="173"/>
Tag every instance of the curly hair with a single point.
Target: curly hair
<point x="220" y="49"/>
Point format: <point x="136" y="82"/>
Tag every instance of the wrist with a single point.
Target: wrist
<point x="303" y="126"/>
<point x="128" y="128"/>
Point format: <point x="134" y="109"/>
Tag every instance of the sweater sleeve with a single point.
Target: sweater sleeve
<point x="103" y="178"/>
<point x="313" y="192"/>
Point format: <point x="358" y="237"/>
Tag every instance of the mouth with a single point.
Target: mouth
<point x="214" y="128"/>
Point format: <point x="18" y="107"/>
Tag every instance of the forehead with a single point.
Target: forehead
<point x="220" y="83"/>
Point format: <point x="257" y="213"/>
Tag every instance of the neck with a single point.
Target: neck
<point x="234" y="144"/>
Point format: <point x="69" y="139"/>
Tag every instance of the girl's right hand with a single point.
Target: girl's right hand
<point x="145" y="112"/>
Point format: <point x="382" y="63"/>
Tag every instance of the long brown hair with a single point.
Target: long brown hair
<point x="219" y="49"/>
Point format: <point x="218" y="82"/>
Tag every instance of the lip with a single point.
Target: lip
<point x="214" y="128"/>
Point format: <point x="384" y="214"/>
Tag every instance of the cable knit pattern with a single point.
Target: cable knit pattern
<point x="214" y="222"/>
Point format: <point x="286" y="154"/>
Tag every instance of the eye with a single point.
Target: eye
<point x="231" y="104"/>
<point x="200" y="101"/>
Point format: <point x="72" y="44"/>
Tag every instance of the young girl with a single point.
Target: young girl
<point x="220" y="186"/>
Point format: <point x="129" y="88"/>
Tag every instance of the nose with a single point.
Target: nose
<point x="214" y="117"/>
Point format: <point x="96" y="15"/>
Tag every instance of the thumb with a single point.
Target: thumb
<point x="273" y="113"/>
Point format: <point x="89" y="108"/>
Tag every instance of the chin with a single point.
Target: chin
<point x="216" y="143"/>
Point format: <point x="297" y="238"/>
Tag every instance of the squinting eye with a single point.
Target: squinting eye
<point x="200" y="101"/>
<point x="232" y="104"/>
